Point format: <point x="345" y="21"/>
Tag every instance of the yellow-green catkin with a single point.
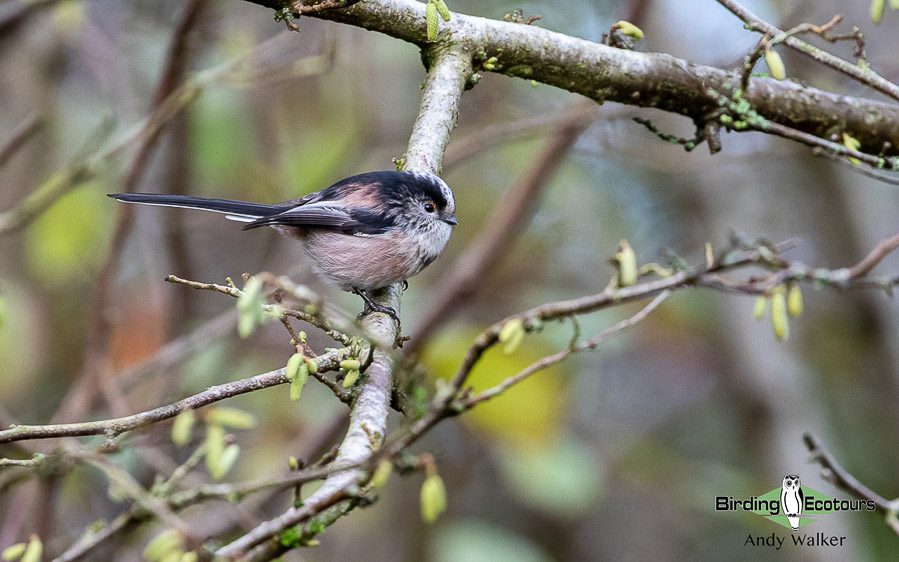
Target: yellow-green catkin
<point x="443" y="10"/>
<point x="775" y="64"/>
<point x="184" y="423"/>
<point x="231" y="417"/>
<point x="877" y="10"/>
<point x="779" y="321"/>
<point x="794" y="300"/>
<point x="627" y="264"/>
<point x="432" y="17"/>
<point x="433" y="498"/>
<point x="511" y="335"/>
<point x="382" y="474"/>
<point x="758" y="309"/>
<point x="14" y="552"/>
<point x="629" y="29"/>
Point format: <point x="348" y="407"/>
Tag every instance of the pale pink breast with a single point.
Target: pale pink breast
<point x="364" y="262"/>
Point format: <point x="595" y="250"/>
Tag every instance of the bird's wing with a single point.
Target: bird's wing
<point x="313" y="215"/>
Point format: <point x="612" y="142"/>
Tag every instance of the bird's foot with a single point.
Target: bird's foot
<point x="371" y="306"/>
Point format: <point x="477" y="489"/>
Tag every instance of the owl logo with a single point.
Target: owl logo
<point x="791" y="500"/>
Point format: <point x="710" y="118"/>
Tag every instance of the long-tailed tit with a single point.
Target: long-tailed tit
<point x="362" y="233"/>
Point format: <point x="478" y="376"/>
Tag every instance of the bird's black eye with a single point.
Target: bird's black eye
<point x="429" y="207"/>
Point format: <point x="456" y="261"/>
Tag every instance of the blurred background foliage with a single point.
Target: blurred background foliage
<point x="616" y="454"/>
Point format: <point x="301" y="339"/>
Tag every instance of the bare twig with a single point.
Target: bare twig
<point x="550" y="360"/>
<point x="874" y="257"/>
<point x="861" y="74"/>
<point x="325" y="321"/>
<point x="116" y="426"/>
<point x="833" y="472"/>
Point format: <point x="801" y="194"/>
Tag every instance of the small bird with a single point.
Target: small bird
<point x="362" y="233"/>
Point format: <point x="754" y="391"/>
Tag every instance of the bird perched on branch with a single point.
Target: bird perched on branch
<point x="363" y="233"/>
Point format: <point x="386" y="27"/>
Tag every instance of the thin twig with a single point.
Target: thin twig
<point x="874" y="257"/>
<point x="833" y="472"/>
<point x="550" y="360"/>
<point x="116" y="426"/>
<point x="861" y="74"/>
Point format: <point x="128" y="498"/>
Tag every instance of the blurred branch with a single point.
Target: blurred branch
<point x="74" y="174"/>
<point x="833" y="472"/>
<point x="95" y="371"/>
<point x="605" y="73"/>
<point x="11" y="20"/>
<point x="861" y="73"/>
<point x="124" y="482"/>
<point x="874" y="257"/>
<point x="19" y="137"/>
<point x="179" y="349"/>
<point x="506" y="223"/>
<point x="179" y="500"/>
<point x="491" y="135"/>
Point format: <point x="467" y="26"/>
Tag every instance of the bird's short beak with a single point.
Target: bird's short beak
<point x="451" y="220"/>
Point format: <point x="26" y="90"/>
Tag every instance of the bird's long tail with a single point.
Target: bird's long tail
<point x="235" y="210"/>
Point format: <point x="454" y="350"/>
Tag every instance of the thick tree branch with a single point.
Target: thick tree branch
<point x="604" y="73"/>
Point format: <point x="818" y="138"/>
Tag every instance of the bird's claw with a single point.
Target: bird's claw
<point x="371" y="306"/>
